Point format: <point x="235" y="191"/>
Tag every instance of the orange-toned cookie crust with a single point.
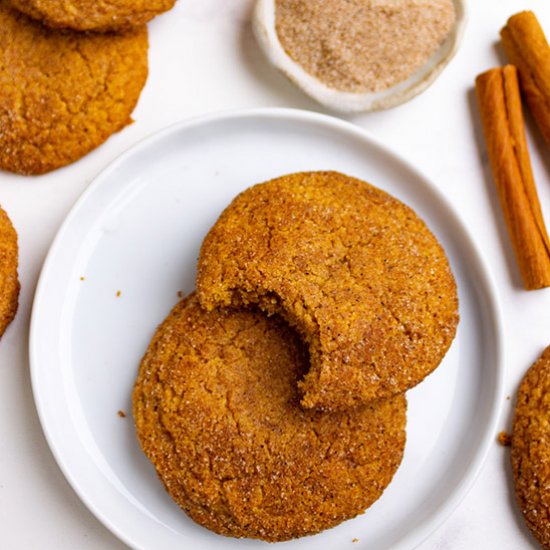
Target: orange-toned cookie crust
<point x="356" y="271"/>
<point x="217" y="412"/>
<point x="93" y="15"/>
<point x="9" y="282"/>
<point x="63" y="93"/>
<point x="531" y="449"/>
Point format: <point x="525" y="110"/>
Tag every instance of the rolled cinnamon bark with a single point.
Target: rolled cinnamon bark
<point x="527" y="48"/>
<point x="503" y="126"/>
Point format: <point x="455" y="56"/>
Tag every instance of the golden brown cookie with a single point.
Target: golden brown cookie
<point x="531" y="449"/>
<point x="63" y="93"/>
<point x="353" y="269"/>
<point x="9" y="282"/>
<point x="218" y="414"/>
<point x="93" y="15"/>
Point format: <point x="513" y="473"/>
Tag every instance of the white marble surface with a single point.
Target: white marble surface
<point x="203" y="58"/>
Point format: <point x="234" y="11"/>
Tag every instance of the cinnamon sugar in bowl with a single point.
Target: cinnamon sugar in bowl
<point x="360" y="55"/>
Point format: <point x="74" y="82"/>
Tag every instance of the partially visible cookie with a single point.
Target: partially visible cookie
<point x="531" y="449"/>
<point x="93" y="15"/>
<point x="217" y="412"/>
<point x="356" y="271"/>
<point x="9" y="282"/>
<point x="63" y="93"/>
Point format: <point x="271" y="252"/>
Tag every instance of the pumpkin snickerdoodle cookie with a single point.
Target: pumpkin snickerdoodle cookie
<point x="93" y="15"/>
<point x="63" y="93"/>
<point x="356" y="271"/>
<point x="531" y="449"/>
<point x="9" y="282"/>
<point x="217" y="412"/>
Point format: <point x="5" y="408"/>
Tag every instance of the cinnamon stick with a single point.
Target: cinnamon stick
<point x="503" y="126"/>
<point x="527" y="48"/>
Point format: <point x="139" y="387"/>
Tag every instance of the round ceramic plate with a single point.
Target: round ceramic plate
<point x="128" y="248"/>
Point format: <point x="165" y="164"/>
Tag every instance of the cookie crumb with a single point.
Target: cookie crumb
<point x="504" y="439"/>
<point x="118" y="293"/>
<point x="82" y="278"/>
<point x="180" y="293"/>
<point x="354" y="540"/>
<point x="122" y="414"/>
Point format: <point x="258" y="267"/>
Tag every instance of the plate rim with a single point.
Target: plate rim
<point x="478" y="458"/>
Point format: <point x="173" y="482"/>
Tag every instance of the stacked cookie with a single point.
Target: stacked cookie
<point x="271" y="402"/>
<point x="71" y="74"/>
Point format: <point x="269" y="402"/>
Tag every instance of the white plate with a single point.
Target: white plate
<point x="138" y="228"/>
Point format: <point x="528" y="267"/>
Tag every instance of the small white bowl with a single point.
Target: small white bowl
<point x="348" y="102"/>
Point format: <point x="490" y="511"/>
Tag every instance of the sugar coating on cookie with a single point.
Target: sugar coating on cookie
<point x="356" y="271"/>
<point x="63" y="93"/>
<point x="9" y="281"/>
<point x="93" y="15"/>
<point x="217" y="412"/>
<point x="531" y="449"/>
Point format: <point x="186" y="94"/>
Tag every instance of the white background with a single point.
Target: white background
<point x="203" y="58"/>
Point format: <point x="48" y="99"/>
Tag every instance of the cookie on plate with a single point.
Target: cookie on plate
<point x="531" y="449"/>
<point x="9" y="282"/>
<point x="356" y="271"/>
<point x="63" y="93"/>
<point x="217" y="412"/>
<point x="93" y="15"/>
